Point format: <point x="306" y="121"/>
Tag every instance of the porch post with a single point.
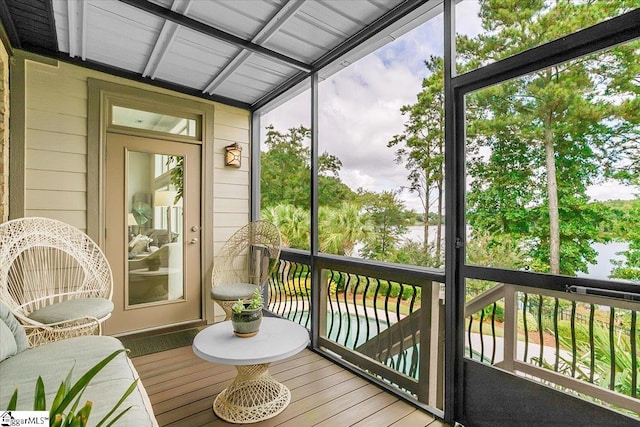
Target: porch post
<point x="316" y="276"/>
<point x="455" y="229"/>
<point x="254" y="208"/>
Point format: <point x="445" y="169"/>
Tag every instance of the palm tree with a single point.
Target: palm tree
<point x="341" y="228"/>
<point x="293" y="223"/>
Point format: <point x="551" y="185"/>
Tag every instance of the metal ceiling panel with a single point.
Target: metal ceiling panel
<point x="240" y="18"/>
<point x="238" y="90"/>
<point x="120" y="35"/>
<point x="62" y="26"/>
<point x="192" y="59"/>
<point x="261" y="73"/>
<point x="320" y="26"/>
<point x="264" y="74"/>
<point x="254" y="77"/>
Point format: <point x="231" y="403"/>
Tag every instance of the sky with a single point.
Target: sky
<point x="359" y="108"/>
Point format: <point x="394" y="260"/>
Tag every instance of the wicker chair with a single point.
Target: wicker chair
<point x="244" y="263"/>
<point x="54" y="279"/>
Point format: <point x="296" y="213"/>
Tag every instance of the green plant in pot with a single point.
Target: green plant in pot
<point x="246" y="316"/>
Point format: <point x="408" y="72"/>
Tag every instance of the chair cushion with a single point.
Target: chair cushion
<point x="72" y="309"/>
<point x="8" y="346"/>
<point x="20" y="336"/>
<point x="233" y="291"/>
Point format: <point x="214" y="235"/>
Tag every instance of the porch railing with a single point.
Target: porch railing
<point x="385" y="320"/>
<point x="586" y="345"/>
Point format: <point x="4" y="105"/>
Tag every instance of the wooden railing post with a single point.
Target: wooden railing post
<point x="436" y="381"/>
<point x="322" y="306"/>
<point x="510" y="341"/>
<point x="427" y="354"/>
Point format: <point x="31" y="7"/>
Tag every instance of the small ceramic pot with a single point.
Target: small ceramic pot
<point x="246" y="323"/>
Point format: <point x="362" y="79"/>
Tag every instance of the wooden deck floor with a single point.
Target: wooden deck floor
<point x="182" y="387"/>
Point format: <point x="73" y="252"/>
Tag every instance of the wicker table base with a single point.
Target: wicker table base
<point x="254" y="395"/>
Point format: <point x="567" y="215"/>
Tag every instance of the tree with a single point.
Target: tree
<point x="390" y="220"/>
<point x="629" y="269"/>
<point x="293" y="222"/>
<point x="548" y="133"/>
<point x="341" y="228"/>
<point x="286" y="171"/>
<point x="421" y="149"/>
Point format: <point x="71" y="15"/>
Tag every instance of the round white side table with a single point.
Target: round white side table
<point x="254" y="395"/>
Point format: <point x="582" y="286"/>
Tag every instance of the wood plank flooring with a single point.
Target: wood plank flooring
<point x="181" y="387"/>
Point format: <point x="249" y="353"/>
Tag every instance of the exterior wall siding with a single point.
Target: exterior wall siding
<point x="230" y="185"/>
<point x="4" y="134"/>
<point x="56" y="147"/>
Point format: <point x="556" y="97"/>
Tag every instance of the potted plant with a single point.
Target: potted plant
<point x="246" y="316"/>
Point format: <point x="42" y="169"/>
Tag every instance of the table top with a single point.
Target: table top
<point x="276" y="340"/>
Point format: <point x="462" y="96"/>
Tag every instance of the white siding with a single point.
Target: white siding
<point x="4" y="133"/>
<point x="231" y="186"/>
<point x="56" y="145"/>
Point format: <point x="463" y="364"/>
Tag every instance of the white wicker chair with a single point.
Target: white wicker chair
<point x="54" y="279"/>
<point x="244" y="263"/>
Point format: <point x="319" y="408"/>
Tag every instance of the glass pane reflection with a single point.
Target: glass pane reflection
<point x="157" y="122"/>
<point x="154" y="221"/>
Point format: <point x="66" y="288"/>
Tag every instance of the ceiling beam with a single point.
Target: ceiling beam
<point x="203" y="28"/>
<point x="164" y="40"/>
<point x="274" y="24"/>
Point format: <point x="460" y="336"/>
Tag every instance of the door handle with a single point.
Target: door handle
<point x="193" y="241"/>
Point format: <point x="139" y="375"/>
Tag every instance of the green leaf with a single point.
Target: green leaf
<point x="39" y="401"/>
<point x="126" y="394"/>
<point x="81" y="384"/>
<point x="118" y="417"/>
<point x="75" y="421"/>
<point x="62" y="390"/>
<point x="74" y="407"/>
<point x="13" y="402"/>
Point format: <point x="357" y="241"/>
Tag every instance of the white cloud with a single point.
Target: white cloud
<point x="467" y="19"/>
<point x="611" y="190"/>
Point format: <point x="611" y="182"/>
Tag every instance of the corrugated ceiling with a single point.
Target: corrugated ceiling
<point x="243" y="52"/>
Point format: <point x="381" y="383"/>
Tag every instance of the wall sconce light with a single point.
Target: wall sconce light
<point x="232" y="155"/>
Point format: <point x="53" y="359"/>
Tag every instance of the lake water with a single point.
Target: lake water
<point x="600" y="270"/>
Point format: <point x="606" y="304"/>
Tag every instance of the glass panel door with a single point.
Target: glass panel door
<point x="153" y="232"/>
<point x="154" y="219"/>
